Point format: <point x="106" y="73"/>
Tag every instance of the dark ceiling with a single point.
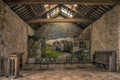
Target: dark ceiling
<point x="38" y="10"/>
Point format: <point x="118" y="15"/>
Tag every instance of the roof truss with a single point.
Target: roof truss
<point x="33" y="11"/>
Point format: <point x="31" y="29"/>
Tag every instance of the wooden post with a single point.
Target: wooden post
<point x="0" y="67"/>
<point x="13" y="64"/>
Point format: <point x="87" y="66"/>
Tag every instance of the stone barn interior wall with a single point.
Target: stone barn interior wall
<point x="86" y="33"/>
<point x="118" y="7"/>
<point x="104" y="33"/>
<point x="59" y="30"/>
<point x="13" y="32"/>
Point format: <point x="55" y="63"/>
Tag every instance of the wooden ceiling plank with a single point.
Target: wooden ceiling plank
<point x="85" y="9"/>
<point x="24" y="17"/>
<point x="102" y="9"/>
<point x="17" y="7"/>
<point x="23" y="11"/>
<point x="106" y="8"/>
<point x="18" y="10"/>
<point x="98" y="14"/>
<point x="95" y="16"/>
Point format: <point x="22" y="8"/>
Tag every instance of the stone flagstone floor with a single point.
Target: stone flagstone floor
<point x="59" y="72"/>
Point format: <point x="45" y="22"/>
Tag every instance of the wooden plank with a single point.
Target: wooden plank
<point x="86" y="2"/>
<point x="59" y="20"/>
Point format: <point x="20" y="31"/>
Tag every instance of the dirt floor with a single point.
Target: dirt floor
<point x="68" y="72"/>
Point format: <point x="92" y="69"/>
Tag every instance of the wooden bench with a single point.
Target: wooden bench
<point x="105" y="60"/>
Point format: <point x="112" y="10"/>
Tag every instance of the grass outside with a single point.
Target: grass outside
<point x="51" y="53"/>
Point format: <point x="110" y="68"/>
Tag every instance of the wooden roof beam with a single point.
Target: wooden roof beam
<point x="85" y="2"/>
<point x="60" y="20"/>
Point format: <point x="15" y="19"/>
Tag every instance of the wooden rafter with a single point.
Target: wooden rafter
<point x="90" y="11"/>
<point x="86" y="2"/>
<point x="59" y="20"/>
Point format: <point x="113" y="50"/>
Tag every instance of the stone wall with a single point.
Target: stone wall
<point x="105" y="33"/>
<point x="118" y="7"/>
<point x="13" y="32"/>
<point x="30" y="31"/>
<point x="102" y="33"/>
<point x="59" y="30"/>
<point x="85" y="33"/>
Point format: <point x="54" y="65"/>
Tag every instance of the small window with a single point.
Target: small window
<point x="76" y="44"/>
